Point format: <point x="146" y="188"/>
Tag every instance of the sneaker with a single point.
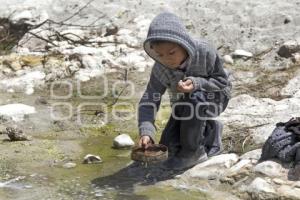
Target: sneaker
<point x="181" y="163"/>
<point x="214" y="151"/>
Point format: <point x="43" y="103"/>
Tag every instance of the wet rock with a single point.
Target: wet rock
<point x="228" y="59"/>
<point x="16" y="134"/>
<point x="16" y="111"/>
<point x="69" y="165"/>
<point x="122" y="141"/>
<point x="239" y="53"/>
<point x="261" y="189"/>
<point x="92" y="159"/>
<point x="269" y="168"/>
<point x="288" y="48"/>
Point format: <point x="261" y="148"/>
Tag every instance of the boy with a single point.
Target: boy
<point x="193" y="73"/>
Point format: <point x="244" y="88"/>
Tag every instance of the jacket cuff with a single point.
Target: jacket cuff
<point x="196" y="82"/>
<point x="147" y="129"/>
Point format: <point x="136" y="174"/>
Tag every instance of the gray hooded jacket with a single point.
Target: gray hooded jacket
<point x="204" y="67"/>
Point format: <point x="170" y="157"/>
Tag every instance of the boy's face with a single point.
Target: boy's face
<point x="170" y="54"/>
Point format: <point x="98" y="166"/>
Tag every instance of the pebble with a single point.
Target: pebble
<point x="69" y="165"/>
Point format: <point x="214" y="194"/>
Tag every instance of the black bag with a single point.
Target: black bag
<point x="284" y="142"/>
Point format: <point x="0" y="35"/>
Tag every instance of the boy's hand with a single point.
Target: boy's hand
<point x="145" y="141"/>
<point x="185" y="86"/>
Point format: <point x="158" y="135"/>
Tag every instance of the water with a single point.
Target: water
<point x="33" y="169"/>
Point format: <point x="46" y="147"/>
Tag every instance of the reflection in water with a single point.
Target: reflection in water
<point x="11" y="183"/>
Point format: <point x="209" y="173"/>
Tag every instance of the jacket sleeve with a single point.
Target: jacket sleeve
<point x="217" y="78"/>
<point x="149" y="105"/>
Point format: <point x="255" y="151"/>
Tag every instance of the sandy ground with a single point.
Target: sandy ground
<point x="251" y="25"/>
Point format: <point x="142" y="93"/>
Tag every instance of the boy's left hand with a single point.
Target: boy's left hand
<point x="185" y="86"/>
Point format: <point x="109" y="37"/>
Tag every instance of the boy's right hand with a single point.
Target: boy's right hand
<point x="145" y="141"/>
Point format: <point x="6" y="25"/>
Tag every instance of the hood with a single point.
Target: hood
<point x="167" y="26"/>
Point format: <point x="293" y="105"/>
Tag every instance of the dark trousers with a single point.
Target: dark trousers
<point x="191" y="128"/>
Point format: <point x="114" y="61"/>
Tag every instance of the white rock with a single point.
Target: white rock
<point x="20" y="17"/>
<point x="131" y="59"/>
<point x="269" y="168"/>
<point x="21" y="83"/>
<point x="129" y="40"/>
<point x="292" y="87"/>
<point x="223" y="160"/>
<point x="241" y="53"/>
<point x="69" y="165"/>
<point x="10" y="90"/>
<point x="123" y="140"/>
<point x="262" y="133"/>
<point x="254" y="154"/>
<point x="208" y="173"/>
<point x="279" y="181"/>
<point x="240" y="165"/>
<point x="16" y="111"/>
<point x="228" y="59"/>
<point x="28" y="44"/>
<point x="289" y="192"/>
<point x="296" y="58"/>
<point x="260" y="185"/>
<point x="29" y="90"/>
<point x="91" y="62"/>
<point x="31" y="16"/>
<point x="124" y="32"/>
<point x="82" y="50"/>
<point x="86" y="74"/>
<point x="88" y="159"/>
